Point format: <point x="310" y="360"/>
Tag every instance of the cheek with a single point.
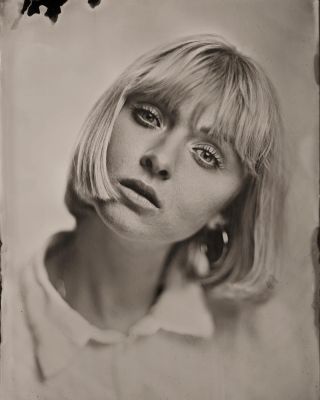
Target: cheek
<point x="203" y="199"/>
<point x="123" y="149"/>
<point x="116" y="154"/>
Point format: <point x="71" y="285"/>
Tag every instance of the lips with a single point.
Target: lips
<point x="142" y="190"/>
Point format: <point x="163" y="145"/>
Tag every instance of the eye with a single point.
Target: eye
<point x="208" y="156"/>
<point x="147" y="116"/>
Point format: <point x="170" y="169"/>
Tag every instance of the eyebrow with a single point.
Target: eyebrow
<point x="160" y="101"/>
<point x="163" y="95"/>
<point x="217" y="136"/>
<point x="206" y="130"/>
<point x="219" y="140"/>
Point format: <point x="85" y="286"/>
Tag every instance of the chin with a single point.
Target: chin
<point x="125" y="222"/>
<point x="131" y="225"/>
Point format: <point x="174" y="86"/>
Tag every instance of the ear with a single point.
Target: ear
<point x="217" y="220"/>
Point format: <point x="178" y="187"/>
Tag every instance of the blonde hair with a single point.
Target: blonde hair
<point x="212" y="71"/>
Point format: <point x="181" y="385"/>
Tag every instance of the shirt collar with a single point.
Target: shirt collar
<point x="59" y="332"/>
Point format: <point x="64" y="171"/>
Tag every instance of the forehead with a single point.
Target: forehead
<point x="178" y="85"/>
<point x="201" y="113"/>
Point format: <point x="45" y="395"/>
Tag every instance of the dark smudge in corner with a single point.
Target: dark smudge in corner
<point x="31" y="7"/>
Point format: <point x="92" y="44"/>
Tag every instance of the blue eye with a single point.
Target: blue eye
<point x="208" y="156"/>
<point x="147" y="116"/>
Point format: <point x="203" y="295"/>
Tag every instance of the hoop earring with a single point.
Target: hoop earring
<point x="205" y="258"/>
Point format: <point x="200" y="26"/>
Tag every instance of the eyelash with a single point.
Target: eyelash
<point x="140" y="112"/>
<point x="217" y="159"/>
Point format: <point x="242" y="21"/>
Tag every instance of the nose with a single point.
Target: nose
<point x="164" y="154"/>
<point x="153" y="164"/>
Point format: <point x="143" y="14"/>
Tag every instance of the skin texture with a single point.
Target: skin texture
<point x="193" y="176"/>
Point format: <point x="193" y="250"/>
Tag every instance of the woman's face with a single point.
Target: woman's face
<point x="171" y="175"/>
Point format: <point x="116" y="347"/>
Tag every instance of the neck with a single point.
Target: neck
<point x="108" y="279"/>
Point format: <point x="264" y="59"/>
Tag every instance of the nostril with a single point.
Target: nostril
<point x="146" y="162"/>
<point x="164" y="174"/>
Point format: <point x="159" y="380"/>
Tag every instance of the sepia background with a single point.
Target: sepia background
<point x="53" y="73"/>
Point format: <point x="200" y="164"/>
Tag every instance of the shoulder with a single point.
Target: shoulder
<point x="266" y="353"/>
<point x="20" y="367"/>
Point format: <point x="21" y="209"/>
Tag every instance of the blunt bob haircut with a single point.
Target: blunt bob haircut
<point x="246" y="114"/>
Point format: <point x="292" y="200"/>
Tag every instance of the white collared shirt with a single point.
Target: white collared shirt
<point x="168" y="355"/>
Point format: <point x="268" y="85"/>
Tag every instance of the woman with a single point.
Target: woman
<point x="177" y="190"/>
